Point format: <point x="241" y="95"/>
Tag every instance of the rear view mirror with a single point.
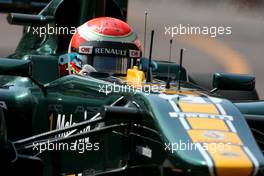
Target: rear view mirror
<point x="225" y="81"/>
<point x="15" y="67"/>
<point x="19" y="67"/>
<point x="28" y="19"/>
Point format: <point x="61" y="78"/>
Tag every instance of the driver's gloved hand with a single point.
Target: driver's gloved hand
<point x="86" y="70"/>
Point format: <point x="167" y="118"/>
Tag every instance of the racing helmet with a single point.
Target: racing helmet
<point x="107" y="44"/>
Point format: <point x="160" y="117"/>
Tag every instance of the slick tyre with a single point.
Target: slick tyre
<point x="205" y="80"/>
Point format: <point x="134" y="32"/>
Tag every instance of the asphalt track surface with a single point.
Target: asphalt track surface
<point x="240" y="52"/>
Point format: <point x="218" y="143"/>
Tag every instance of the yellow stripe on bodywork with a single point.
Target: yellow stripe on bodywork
<point x="206" y="108"/>
<point x="224" y="147"/>
<point x="230" y="161"/>
<point x="207" y="124"/>
<point x="183" y="92"/>
<point x="212" y="136"/>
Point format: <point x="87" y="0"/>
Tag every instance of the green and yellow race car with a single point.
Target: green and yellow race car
<point x="85" y="102"/>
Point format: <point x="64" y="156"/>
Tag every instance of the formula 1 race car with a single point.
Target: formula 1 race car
<point x="151" y="119"/>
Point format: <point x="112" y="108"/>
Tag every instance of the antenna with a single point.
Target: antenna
<point x="168" y="78"/>
<point x="145" y="32"/>
<point x="149" y="71"/>
<point x="180" y="72"/>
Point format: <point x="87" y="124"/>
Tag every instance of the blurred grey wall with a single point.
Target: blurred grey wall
<point x="9" y="36"/>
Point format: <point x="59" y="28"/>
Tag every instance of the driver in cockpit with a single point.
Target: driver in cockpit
<point x="104" y="44"/>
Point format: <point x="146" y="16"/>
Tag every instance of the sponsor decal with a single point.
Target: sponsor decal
<point x="134" y="53"/>
<point x="110" y="51"/>
<point x="86" y="49"/>
<point x="192" y="99"/>
<point x="145" y="151"/>
<point x="200" y="115"/>
<point x="214" y="135"/>
<point x="63" y="122"/>
<point x="230" y="154"/>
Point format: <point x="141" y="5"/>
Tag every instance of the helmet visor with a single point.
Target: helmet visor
<point x="118" y="65"/>
<point x="107" y="64"/>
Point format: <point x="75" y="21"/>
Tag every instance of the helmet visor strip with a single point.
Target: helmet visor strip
<point x="106" y="64"/>
<point x="109" y="57"/>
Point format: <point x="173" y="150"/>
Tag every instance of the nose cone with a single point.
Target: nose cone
<point x="207" y="135"/>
